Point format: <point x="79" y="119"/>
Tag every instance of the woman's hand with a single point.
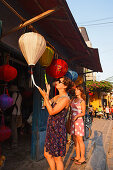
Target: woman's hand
<point x="75" y="118"/>
<point x="43" y="93"/>
<point x="48" y="88"/>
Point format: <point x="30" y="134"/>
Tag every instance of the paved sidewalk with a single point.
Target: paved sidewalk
<point x="110" y="153"/>
<point x="98" y="146"/>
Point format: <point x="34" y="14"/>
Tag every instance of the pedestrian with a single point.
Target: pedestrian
<point x="100" y="112"/>
<point x="16" y="118"/>
<point x="77" y="125"/>
<point x="112" y="111"/>
<point x="96" y="111"/>
<point x="91" y="112"/>
<point x="107" y="110"/>
<point x="55" y="142"/>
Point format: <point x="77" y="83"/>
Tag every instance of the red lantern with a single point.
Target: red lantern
<point x="58" y="68"/>
<point x="5" y="132"/>
<point x="91" y="94"/>
<point x="7" y="73"/>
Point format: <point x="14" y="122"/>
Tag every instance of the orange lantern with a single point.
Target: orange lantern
<point x="79" y="80"/>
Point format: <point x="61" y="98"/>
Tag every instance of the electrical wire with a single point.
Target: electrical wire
<point x="96" y="20"/>
<point x="98" y="24"/>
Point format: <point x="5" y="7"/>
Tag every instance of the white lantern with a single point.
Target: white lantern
<point x="32" y="46"/>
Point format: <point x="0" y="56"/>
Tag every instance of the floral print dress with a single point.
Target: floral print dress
<point x="55" y="142"/>
<point x="77" y="127"/>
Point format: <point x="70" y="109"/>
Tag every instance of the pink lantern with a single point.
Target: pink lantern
<point x="5" y="101"/>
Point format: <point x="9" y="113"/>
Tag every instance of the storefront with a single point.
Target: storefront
<point x="54" y="21"/>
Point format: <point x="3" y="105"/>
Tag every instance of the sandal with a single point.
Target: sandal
<point x="73" y="159"/>
<point x="80" y="163"/>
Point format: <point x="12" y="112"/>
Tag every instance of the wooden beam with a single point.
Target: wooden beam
<point x="22" y="19"/>
<point x="37" y="18"/>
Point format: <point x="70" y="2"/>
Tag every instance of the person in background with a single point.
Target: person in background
<point x="112" y="111"/>
<point x="99" y="109"/>
<point x="16" y="120"/>
<point x="78" y="108"/>
<point x="107" y="110"/>
<point x="96" y="111"/>
<point x="55" y="142"/>
<point x="91" y="112"/>
<point x="100" y="112"/>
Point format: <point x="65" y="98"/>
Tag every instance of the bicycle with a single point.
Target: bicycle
<point x="87" y="125"/>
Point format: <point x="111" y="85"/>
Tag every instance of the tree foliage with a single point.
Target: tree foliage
<point x="99" y="86"/>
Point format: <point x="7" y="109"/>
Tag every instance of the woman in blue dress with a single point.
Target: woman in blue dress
<point x="55" y="142"/>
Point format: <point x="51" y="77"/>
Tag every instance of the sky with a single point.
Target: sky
<point x="97" y="17"/>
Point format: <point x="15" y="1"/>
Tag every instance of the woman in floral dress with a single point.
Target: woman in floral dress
<point x="55" y="142"/>
<point x="77" y="124"/>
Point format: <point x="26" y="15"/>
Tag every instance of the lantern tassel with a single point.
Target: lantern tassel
<point x="33" y="79"/>
<point x="45" y="78"/>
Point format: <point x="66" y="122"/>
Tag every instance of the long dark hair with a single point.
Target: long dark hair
<point x="82" y="91"/>
<point x="68" y="82"/>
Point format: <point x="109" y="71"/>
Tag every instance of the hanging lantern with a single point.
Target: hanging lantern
<point x="7" y="73"/>
<point x="47" y="57"/>
<point x="5" y="101"/>
<point x="79" y="80"/>
<point x="32" y="46"/>
<point x="91" y="93"/>
<point x="57" y="69"/>
<point x="72" y="75"/>
<point x="5" y="132"/>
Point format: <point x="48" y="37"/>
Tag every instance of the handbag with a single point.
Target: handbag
<point x="68" y="122"/>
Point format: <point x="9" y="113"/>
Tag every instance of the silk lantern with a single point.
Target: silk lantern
<point x="57" y="69"/>
<point x="5" y="132"/>
<point x="32" y="46"/>
<point x="5" y="101"/>
<point x="73" y="75"/>
<point x="7" y="73"/>
<point x="79" y="80"/>
<point x="91" y="93"/>
<point x="46" y="57"/>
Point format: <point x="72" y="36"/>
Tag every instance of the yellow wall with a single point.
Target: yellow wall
<point x="95" y="101"/>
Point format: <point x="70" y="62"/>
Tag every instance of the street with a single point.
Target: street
<point x="99" y="151"/>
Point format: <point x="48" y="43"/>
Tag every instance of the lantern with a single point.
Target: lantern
<point x="5" y="101"/>
<point x="91" y="93"/>
<point x="79" y="80"/>
<point x="5" y="132"/>
<point x="32" y="46"/>
<point x="7" y="73"/>
<point x="72" y="75"/>
<point x="46" y="57"/>
<point x="57" y="69"/>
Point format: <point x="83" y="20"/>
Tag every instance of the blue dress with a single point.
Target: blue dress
<point x="55" y="141"/>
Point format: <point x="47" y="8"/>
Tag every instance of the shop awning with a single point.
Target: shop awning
<point x="59" y="28"/>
